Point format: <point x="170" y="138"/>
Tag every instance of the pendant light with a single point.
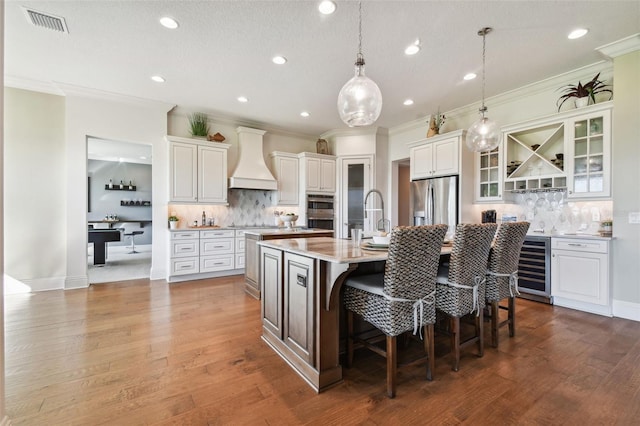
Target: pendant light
<point x="360" y="99"/>
<point x="484" y="134"/>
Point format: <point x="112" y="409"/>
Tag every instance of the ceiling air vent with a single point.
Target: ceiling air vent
<point x="45" y="20"/>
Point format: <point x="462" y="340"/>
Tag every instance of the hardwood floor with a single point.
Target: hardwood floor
<point x="146" y="352"/>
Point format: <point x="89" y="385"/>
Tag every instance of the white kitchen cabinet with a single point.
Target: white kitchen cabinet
<point x="436" y="156"/>
<point x="285" y="170"/>
<point x="580" y="274"/>
<point x="185" y="253"/>
<point x="318" y="173"/>
<point x="197" y="171"/>
<point x="588" y="154"/>
<point x="217" y="250"/>
<point x="571" y="149"/>
<point x="488" y="176"/>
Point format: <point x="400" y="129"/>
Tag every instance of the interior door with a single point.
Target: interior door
<point x="355" y="182"/>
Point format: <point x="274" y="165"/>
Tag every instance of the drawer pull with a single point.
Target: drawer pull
<point x="576" y="245"/>
<point x="219" y="263"/>
<point x="185" y="248"/>
<point x="185" y="266"/>
<point x="218" y="246"/>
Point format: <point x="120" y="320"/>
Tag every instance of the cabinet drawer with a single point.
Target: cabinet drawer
<point x="216" y="263"/>
<point x="184" y="266"/>
<point x="240" y="261"/>
<point x="185" y="248"/>
<point x="184" y="235"/>
<point x="578" y="244"/>
<point x="216" y="246"/>
<point x="239" y="245"/>
<point x="222" y="233"/>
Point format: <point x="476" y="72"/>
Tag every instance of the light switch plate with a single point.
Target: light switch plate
<point x="634" y="217"/>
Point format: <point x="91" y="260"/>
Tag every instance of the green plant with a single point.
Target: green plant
<point x="590" y="89"/>
<point x="198" y="123"/>
<point x="607" y="222"/>
<point x="173" y="218"/>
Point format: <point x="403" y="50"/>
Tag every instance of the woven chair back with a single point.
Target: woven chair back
<point x="504" y="257"/>
<point x="470" y="252"/>
<point x="412" y="265"/>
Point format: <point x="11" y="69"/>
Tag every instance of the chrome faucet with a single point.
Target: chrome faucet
<point x="381" y="221"/>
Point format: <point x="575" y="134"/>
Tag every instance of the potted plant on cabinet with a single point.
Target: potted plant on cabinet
<point x="582" y="93"/>
<point x="173" y="221"/>
<point x="198" y="124"/>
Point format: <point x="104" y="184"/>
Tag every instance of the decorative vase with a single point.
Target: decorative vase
<point x="581" y="102"/>
<point x="433" y="129"/>
<point x="173" y="224"/>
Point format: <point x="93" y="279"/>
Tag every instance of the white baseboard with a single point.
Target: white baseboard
<point x="80" y="281"/>
<point x="15" y="286"/>
<point x="627" y="310"/>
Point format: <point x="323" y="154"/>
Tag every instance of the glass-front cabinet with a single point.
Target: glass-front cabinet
<point x="589" y="155"/>
<point x="488" y="176"/>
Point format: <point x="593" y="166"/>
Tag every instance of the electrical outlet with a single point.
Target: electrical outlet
<point x="595" y="216"/>
<point x="634" y="217"/>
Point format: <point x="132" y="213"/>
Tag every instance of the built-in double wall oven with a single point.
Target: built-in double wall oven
<point x="320" y="211"/>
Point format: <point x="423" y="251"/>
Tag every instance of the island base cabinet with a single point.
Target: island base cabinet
<point x="298" y="305"/>
<point x="251" y="267"/>
<point x="271" y="279"/>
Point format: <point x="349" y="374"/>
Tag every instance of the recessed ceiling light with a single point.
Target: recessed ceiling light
<point x="327" y="7"/>
<point x="470" y="76"/>
<point x="170" y="23"/>
<point x="158" y="78"/>
<point x="304" y="114"/>
<point x="279" y="60"/>
<point x="577" y="33"/>
<point x="408" y="102"/>
<point x="413" y="48"/>
<point x="243" y="99"/>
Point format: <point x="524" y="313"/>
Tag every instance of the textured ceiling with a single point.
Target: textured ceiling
<point x="223" y="49"/>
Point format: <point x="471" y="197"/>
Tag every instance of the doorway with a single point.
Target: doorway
<point x="354" y="183"/>
<point x="119" y="215"/>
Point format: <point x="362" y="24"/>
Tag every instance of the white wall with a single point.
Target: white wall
<point x="626" y="192"/>
<point x="35" y="190"/>
<point x="3" y="418"/>
<point x="90" y="114"/>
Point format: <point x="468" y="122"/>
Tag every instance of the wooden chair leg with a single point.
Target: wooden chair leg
<point x="495" y="323"/>
<point x="349" y="360"/>
<point x="391" y="366"/>
<point x="512" y="316"/>
<point x="455" y="342"/>
<point x="480" y="332"/>
<point x="429" y="348"/>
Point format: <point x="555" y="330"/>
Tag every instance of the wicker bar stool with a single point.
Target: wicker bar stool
<point x="502" y="275"/>
<point x="460" y="286"/>
<point x="400" y="299"/>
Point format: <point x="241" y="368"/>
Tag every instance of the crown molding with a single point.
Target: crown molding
<point x="32" y="85"/>
<point x="85" y="92"/>
<point x="356" y="131"/>
<point x="621" y="47"/>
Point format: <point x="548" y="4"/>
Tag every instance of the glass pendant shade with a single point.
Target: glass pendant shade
<point x="483" y="135"/>
<point x="360" y="99"/>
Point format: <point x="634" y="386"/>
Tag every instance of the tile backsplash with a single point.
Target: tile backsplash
<point x="247" y="207"/>
<point x="551" y="212"/>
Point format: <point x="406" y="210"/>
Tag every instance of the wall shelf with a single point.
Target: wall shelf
<point x="117" y="187"/>
<point x="131" y="203"/>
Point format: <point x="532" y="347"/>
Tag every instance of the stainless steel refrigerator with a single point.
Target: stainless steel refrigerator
<point x="435" y="201"/>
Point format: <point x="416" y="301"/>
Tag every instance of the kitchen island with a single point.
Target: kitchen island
<point x="252" y="236"/>
<point x="300" y="281"/>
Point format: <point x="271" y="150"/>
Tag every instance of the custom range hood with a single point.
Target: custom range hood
<point x="251" y="172"/>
